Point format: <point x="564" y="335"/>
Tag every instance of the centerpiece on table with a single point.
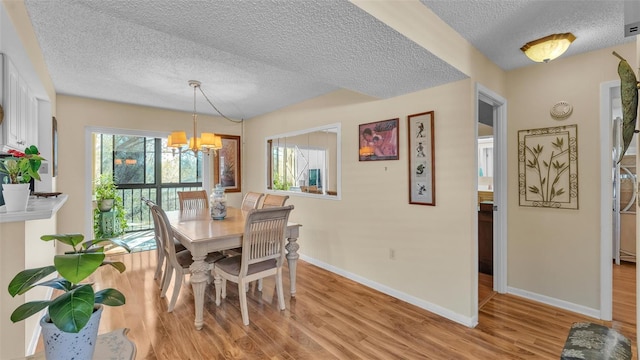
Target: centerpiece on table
<point x="70" y="327"/>
<point x="20" y="167"/>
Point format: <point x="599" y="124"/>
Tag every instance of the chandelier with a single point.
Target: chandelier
<point x="205" y="142"/>
<point x="548" y="47"/>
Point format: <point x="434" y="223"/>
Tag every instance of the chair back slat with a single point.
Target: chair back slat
<point x="166" y="233"/>
<point x="264" y="236"/>
<point x="193" y="200"/>
<point x="251" y="200"/>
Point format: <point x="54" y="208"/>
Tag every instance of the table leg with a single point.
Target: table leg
<point x="292" y="257"/>
<point x="199" y="277"/>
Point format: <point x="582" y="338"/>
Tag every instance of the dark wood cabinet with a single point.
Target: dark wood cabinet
<point x="485" y="238"/>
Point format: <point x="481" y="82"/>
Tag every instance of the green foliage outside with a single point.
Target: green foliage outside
<point x="279" y="183"/>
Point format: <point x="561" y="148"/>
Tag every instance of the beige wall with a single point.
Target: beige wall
<point x="21" y="248"/>
<point x="76" y="114"/>
<point x="551" y="253"/>
<point x="556" y="253"/>
<point x="433" y="245"/>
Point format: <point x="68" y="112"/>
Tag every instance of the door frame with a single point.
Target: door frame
<point x="500" y="186"/>
<point x="606" y="196"/>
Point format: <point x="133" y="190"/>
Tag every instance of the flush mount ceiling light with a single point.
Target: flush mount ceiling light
<point x="206" y="141"/>
<point x="548" y="47"/>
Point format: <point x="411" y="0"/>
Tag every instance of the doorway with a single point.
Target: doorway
<point x="618" y="227"/>
<point x="492" y="195"/>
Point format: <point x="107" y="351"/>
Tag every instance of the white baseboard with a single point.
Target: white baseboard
<point x="580" y="309"/>
<point x="436" y="309"/>
<point x="33" y="343"/>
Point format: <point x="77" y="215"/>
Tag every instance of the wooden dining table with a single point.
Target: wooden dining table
<point x="201" y="235"/>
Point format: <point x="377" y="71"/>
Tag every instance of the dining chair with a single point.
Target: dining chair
<point x="197" y="199"/>
<point x="251" y="200"/>
<point x="263" y="244"/>
<point x="271" y="200"/>
<point x="156" y="236"/>
<point x="176" y="262"/>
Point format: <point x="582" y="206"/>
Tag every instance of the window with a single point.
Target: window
<point x="305" y="162"/>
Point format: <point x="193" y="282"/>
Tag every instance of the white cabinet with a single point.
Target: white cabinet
<point x="20" y="125"/>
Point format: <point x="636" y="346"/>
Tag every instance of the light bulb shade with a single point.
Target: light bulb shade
<point x="548" y="47"/>
<point x="117" y="161"/>
<point x="218" y="143"/>
<point x="177" y="139"/>
<point x="130" y="161"/>
<point x="208" y="140"/>
<point x="194" y="143"/>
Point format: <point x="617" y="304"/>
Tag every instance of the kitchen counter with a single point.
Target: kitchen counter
<point x="37" y="208"/>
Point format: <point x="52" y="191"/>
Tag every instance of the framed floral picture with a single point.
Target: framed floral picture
<point x="227" y="164"/>
<point x="422" y="183"/>
<point x="379" y="140"/>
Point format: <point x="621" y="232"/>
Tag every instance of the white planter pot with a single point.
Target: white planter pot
<point x="79" y="346"/>
<point x="15" y="196"/>
<point x="105" y="205"/>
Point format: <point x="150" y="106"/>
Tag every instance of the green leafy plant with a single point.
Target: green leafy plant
<point x="70" y="311"/>
<point x="105" y="188"/>
<point x="22" y="166"/>
<point x="279" y="183"/>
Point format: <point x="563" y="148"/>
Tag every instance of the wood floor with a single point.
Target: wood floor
<point x="330" y="318"/>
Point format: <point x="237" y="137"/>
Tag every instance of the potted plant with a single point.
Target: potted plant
<point x="70" y="327"/>
<point x="107" y="199"/>
<point x="21" y="167"/>
<point x="106" y="192"/>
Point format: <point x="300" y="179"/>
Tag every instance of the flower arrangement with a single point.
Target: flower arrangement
<point x="22" y="166"/>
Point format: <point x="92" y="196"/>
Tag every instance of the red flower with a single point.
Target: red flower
<point x="16" y="153"/>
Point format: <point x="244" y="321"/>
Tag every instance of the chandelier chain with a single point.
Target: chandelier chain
<point x="219" y="112"/>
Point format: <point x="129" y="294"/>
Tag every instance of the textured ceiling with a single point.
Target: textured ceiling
<point x="499" y="29"/>
<point x="256" y="56"/>
<point x="252" y="57"/>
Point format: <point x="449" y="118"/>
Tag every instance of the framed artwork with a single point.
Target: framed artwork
<point x="548" y="167"/>
<point x="228" y="165"/>
<point x="54" y="145"/>
<point x="422" y="183"/>
<point x="379" y="140"/>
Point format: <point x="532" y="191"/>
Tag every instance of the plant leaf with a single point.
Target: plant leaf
<point x="69" y="239"/>
<point x="76" y="267"/>
<point x="27" y="309"/>
<point x="59" y="283"/>
<point x="116" y="264"/>
<point x="26" y="279"/>
<point x="111" y="297"/>
<point x="71" y="311"/>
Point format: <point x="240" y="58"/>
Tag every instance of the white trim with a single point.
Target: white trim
<point x="436" y="309"/>
<point x="580" y="309"/>
<point x="33" y="343"/>
<point x="88" y="144"/>
<point x="500" y="186"/>
<point x="606" y="194"/>
<point x="338" y="127"/>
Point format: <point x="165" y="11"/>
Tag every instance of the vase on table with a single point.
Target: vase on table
<point x="218" y="203"/>
<point x="15" y="196"/>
